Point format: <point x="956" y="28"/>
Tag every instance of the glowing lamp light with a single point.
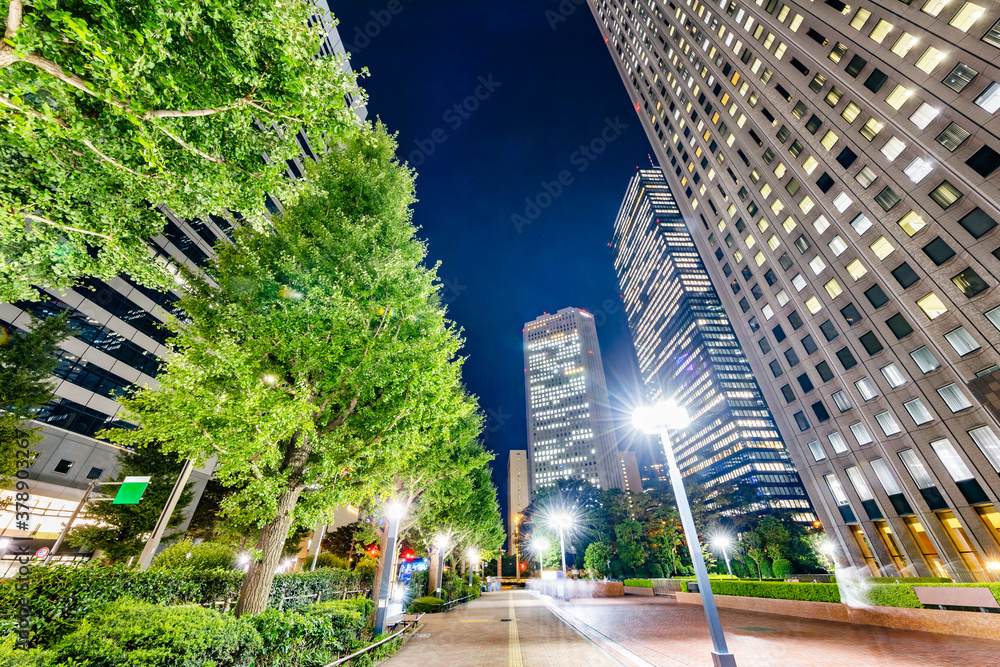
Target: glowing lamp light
<point x="660" y="417"/>
<point x="993" y="566"/>
<point x="721" y="541"/>
<point x="394" y="511"/>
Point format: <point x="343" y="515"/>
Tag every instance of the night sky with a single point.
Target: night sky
<point x="547" y="88"/>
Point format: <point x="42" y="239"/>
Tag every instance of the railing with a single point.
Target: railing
<point x="339" y="595"/>
<point x="406" y="625"/>
<point x="448" y="605"/>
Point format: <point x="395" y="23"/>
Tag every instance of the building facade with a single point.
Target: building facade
<point x="518" y="494"/>
<point x="837" y="165"/>
<point x="118" y="346"/>
<point x="570" y="432"/>
<point x="688" y="352"/>
<point x="630" y="470"/>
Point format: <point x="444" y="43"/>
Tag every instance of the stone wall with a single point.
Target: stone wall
<point x="577" y="588"/>
<point x="961" y="623"/>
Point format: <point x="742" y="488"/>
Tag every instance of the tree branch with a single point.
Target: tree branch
<point x="199" y="153"/>
<point x="15" y="11"/>
<point x="35" y="218"/>
<point x="88" y="144"/>
<point x="195" y="113"/>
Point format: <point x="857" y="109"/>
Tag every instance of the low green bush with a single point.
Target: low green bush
<point x="127" y="633"/>
<point x="293" y="639"/>
<point x="638" y="583"/>
<point x="765" y="568"/>
<point x="775" y="589"/>
<point x="425" y="604"/>
<point x="331" y="560"/>
<point x="739" y="568"/>
<point x="782" y="568"/>
<point x="203" y="556"/>
<point x="363" y="606"/>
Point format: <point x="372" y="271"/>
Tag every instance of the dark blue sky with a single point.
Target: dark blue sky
<point x="547" y="89"/>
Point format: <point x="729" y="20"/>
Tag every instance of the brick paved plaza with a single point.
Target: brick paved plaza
<point x="660" y="631"/>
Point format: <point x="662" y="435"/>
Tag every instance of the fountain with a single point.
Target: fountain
<point x="854" y="586"/>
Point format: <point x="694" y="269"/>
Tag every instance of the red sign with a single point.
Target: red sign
<point x="42" y="553"/>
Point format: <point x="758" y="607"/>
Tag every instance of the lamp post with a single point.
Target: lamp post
<point x="441" y="542"/>
<point x="393" y="513"/>
<point x="473" y="556"/>
<point x="658" y="420"/>
<point x="723" y="542"/>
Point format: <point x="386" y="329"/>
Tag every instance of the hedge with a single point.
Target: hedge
<point x="58" y="597"/>
<point x="881" y="595"/>
<point x="426" y="604"/>
<point x="907" y="580"/>
<point x="639" y="583"/>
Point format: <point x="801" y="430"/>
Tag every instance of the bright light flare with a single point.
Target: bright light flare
<point x="394" y="511"/>
<point x="540" y="546"/>
<point x="441" y="541"/>
<point x="663" y="416"/>
<point x="473" y="554"/>
<point x="721" y="541"/>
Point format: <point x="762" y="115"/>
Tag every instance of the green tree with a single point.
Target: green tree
<point x="27" y="360"/>
<point x="341" y="542"/>
<point x="108" y="106"/>
<point x="628" y="534"/>
<point x="753" y="545"/>
<point x="597" y="559"/>
<point x="775" y="536"/>
<point x="121" y="529"/>
<point x="316" y="357"/>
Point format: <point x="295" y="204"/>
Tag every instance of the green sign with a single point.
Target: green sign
<point x="131" y="491"/>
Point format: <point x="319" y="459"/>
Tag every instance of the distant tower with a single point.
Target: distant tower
<point x="630" y="469"/>
<point x="570" y="433"/>
<point x="688" y="352"/>
<point x="518" y="493"/>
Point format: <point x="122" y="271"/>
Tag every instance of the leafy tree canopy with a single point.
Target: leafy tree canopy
<point x="110" y="106"/>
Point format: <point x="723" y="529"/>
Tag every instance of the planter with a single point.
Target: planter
<point x="578" y="588"/>
<point x="638" y="590"/>
<point x="960" y="623"/>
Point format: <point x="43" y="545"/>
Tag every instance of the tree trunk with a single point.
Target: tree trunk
<point x="256" y="586"/>
<point x="383" y="537"/>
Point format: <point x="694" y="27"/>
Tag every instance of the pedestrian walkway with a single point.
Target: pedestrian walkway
<point x="510" y="628"/>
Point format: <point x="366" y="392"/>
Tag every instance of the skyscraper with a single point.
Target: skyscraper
<point x="570" y="433"/>
<point x="118" y="345"/>
<point x="688" y="352"/>
<point x="834" y="162"/>
<point x="518" y="493"/>
<point x="630" y="470"/>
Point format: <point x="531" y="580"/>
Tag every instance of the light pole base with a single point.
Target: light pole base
<point x="723" y="659"/>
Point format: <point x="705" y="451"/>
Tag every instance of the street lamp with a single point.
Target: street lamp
<point x="561" y="521"/>
<point x="441" y="541"/>
<point x="473" y="556"/>
<point x="723" y="542"/>
<point x="393" y="513"/>
<point x="659" y="419"/>
<point x="540" y="546"/>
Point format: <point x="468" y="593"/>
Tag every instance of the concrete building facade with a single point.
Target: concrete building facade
<point x="630" y="470"/>
<point x="570" y="432"/>
<point x="688" y="352"/>
<point x="838" y="164"/>
<point x="518" y="494"/>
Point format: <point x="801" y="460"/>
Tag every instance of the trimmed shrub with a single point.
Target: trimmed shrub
<point x="293" y="639"/>
<point x="363" y="606"/>
<point x="134" y="634"/>
<point x="782" y="568"/>
<point x="331" y="560"/>
<point x="765" y="568"/>
<point x="203" y="556"/>
<point x="59" y="597"/>
<point x="425" y="604"/>
<point x="776" y="590"/>
<point x="752" y="567"/>
<point x="639" y="583"/>
<point x="739" y="568"/>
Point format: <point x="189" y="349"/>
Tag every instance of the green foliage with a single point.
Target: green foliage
<point x="765" y="568"/>
<point x="777" y="590"/>
<point x="739" y="568"/>
<point x="27" y="359"/>
<point x="292" y="639"/>
<point x="427" y="604"/>
<point x="122" y="528"/>
<point x="596" y="559"/>
<point x="908" y="580"/>
<point x="630" y="549"/>
<point x="894" y="595"/>
<point x="638" y="583"/>
<point x="12" y="657"/>
<point x="59" y="597"/>
<point x="330" y="560"/>
<point x="127" y="633"/>
<point x="204" y="556"/>
<point x="363" y="606"/>
<point x="110" y="105"/>
<point x="782" y="568"/>
<point x="816" y="542"/>
<point x="774" y="535"/>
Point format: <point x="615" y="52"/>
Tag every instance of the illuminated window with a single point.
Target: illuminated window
<point x="838" y="246"/>
<point x="933" y="7"/>
<point x="962" y="341"/>
<point x="866" y="177"/>
<point x="821" y="224"/>
<point x="918" y="169"/>
<point x="966" y="16"/>
<point x="881" y="247"/>
<point x="817" y="265"/>
<point x="799" y="282"/>
<point x="777" y="206"/>
<point x="912" y="223"/>
<point x="989" y="99"/>
<point x="860" y="18"/>
<point x="759" y="258"/>
<point x="829" y="140"/>
<point x="789" y="224"/>
<point x="871" y="129"/>
<point x="881" y="29"/>
<point x="893" y="148"/>
<point x="850" y="112"/>
<point x="842" y="202"/>
<point x="932" y="306"/>
<point x="856" y="269"/>
<point x="903" y="44"/>
<point x="765" y="190"/>
<point x="780" y="170"/>
<point x="833" y="288"/>
<point x="989" y="444"/>
<point x="923" y="116"/>
<point x="813" y="304"/>
<point x="918" y="412"/>
<point x="773" y="242"/>
<point x="945" y="194"/>
<point x="810" y="164"/>
<point x="930" y="59"/>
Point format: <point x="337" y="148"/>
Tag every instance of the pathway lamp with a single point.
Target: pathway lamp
<point x="723" y="542"/>
<point x="660" y="419"/>
<point x="393" y="513"/>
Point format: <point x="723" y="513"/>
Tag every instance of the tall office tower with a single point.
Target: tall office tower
<point x="688" y="352"/>
<point x="570" y="432"/>
<point x="118" y="346"/>
<point x="834" y="162"/>
<point x="630" y="470"/>
<point x="518" y="494"/>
